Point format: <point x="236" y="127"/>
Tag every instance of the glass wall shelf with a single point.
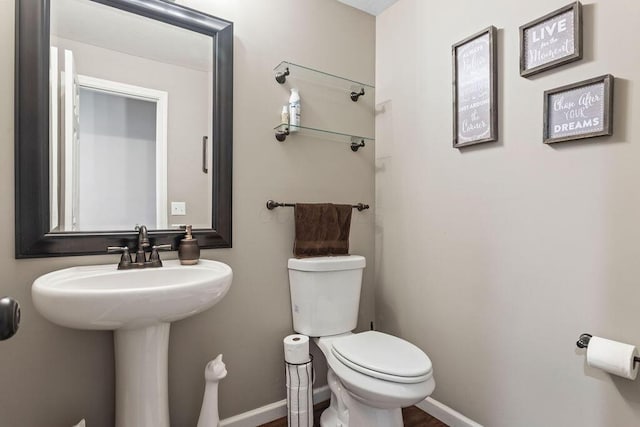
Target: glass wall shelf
<point x="282" y="131"/>
<point x="355" y="88"/>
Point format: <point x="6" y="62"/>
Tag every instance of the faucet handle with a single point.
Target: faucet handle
<point x="117" y="249"/>
<point x="125" y="259"/>
<point x="154" y="259"/>
<point x="166" y="247"/>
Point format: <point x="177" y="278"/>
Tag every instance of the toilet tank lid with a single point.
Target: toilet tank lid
<point x="328" y="263"/>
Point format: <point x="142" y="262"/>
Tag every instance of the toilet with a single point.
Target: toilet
<point x="371" y="375"/>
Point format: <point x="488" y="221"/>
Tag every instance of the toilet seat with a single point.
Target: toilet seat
<point x="372" y="391"/>
<point x="383" y="356"/>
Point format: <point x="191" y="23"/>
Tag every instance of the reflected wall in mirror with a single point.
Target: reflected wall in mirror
<point x="130" y="123"/>
<point x="130" y="107"/>
<point x="134" y="102"/>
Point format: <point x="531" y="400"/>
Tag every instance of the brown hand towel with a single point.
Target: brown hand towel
<point x="321" y="229"/>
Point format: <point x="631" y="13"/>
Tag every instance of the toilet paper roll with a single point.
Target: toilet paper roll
<point x="300" y="419"/>
<point x="300" y="407"/>
<point x="612" y="356"/>
<point x="300" y="400"/>
<point x="296" y="349"/>
<point x="299" y="375"/>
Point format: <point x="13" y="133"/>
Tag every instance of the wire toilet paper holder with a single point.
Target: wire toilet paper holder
<point x="311" y="379"/>
<point x="583" y="342"/>
<point x="307" y="363"/>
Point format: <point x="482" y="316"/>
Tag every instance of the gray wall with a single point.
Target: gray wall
<point x="59" y="375"/>
<point x="495" y="258"/>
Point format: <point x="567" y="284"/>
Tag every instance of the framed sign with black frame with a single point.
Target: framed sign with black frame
<point x="552" y="40"/>
<point x="475" y="89"/>
<point x="579" y="110"/>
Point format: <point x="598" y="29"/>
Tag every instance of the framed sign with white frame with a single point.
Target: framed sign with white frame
<point x="552" y="40"/>
<point x="579" y="110"/>
<point x="475" y="89"/>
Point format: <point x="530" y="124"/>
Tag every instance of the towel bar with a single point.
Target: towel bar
<point x="272" y="205"/>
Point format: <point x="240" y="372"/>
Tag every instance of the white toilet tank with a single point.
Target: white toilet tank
<point x="325" y="294"/>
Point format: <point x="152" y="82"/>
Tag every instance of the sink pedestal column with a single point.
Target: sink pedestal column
<point x="142" y="391"/>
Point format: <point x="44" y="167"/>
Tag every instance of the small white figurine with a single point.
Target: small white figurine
<point x="213" y="373"/>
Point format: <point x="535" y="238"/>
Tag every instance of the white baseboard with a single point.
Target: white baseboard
<point x="449" y="416"/>
<point x="276" y="410"/>
<point x="270" y="412"/>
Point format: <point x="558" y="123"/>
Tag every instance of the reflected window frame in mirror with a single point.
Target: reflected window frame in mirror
<point x="33" y="236"/>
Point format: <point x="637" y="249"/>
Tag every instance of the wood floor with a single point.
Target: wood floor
<point x="413" y="417"/>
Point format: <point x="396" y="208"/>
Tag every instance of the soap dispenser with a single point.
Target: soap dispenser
<point x="188" y="251"/>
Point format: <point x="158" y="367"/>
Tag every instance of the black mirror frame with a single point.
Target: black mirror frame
<point x="33" y="236"/>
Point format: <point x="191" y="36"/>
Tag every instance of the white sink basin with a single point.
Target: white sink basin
<point x="139" y="306"/>
<point x="102" y="297"/>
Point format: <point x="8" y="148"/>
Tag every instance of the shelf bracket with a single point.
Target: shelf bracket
<point x="356" y="143"/>
<point x="281" y="76"/>
<point x="281" y="135"/>
<point x="355" y="95"/>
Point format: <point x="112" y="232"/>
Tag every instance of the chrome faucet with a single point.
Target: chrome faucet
<point x="141" y="260"/>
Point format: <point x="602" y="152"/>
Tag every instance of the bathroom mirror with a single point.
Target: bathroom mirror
<point x="123" y="117"/>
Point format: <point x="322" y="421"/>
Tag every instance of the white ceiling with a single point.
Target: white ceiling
<point x="374" y="7"/>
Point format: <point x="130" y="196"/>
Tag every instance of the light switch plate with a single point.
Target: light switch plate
<point x="178" y="208"/>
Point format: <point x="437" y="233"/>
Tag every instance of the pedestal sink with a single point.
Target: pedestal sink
<point x="138" y="305"/>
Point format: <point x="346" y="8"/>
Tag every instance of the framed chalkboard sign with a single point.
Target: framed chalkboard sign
<point x="579" y="110"/>
<point x="475" y="89"/>
<point x="550" y="41"/>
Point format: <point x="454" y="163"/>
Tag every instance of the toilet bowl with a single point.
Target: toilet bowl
<point x="371" y="375"/>
<point x="373" y="386"/>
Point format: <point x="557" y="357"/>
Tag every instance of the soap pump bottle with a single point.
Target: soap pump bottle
<point x="188" y="251"/>
<point x="284" y="118"/>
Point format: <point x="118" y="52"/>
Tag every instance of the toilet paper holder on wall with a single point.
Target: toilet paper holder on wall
<point x="583" y="342"/>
